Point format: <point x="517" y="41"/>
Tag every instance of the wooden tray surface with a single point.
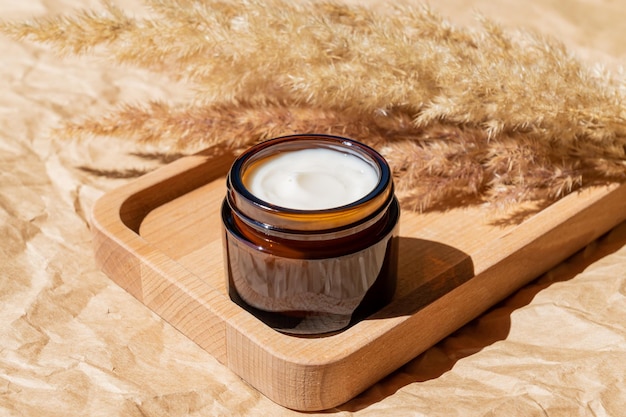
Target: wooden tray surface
<point x="160" y="238"/>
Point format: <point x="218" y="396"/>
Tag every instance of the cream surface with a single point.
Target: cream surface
<point x="311" y="179"/>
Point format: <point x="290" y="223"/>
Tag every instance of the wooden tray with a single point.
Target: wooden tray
<point x="159" y="237"/>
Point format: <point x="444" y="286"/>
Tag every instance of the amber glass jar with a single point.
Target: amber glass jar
<point x="310" y="271"/>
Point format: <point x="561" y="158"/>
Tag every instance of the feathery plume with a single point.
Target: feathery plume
<point x="463" y="115"/>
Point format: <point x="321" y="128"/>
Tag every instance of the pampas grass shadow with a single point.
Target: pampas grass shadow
<point x="491" y="327"/>
<point x="116" y="173"/>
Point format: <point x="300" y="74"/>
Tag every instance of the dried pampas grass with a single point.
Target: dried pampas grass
<point x="463" y="116"/>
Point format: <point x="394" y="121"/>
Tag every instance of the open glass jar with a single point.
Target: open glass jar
<point x="311" y="270"/>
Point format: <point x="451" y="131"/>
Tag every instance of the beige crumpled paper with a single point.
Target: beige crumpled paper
<point x="72" y="343"/>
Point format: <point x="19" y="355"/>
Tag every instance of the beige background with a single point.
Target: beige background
<point x="74" y="344"/>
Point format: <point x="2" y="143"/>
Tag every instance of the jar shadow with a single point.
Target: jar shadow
<point x="427" y="270"/>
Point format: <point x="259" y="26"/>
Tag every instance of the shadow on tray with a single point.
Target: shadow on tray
<point x="492" y="326"/>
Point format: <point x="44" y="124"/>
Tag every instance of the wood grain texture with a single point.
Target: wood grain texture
<point x="159" y="238"/>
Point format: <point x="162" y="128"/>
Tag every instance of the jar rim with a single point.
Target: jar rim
<point x="304" y="219"/>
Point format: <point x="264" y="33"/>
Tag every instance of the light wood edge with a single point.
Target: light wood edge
<point x="316" y="374"/>
<point x="153" y="278"/>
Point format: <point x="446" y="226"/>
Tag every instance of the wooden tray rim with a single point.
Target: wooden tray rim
<point x="339" y="349"/>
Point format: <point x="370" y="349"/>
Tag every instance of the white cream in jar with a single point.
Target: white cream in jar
<point x="311" y="179"/>
<point x="322" y="252"/>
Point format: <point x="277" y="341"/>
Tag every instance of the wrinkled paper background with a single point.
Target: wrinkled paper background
<point x="74" y="344"/>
